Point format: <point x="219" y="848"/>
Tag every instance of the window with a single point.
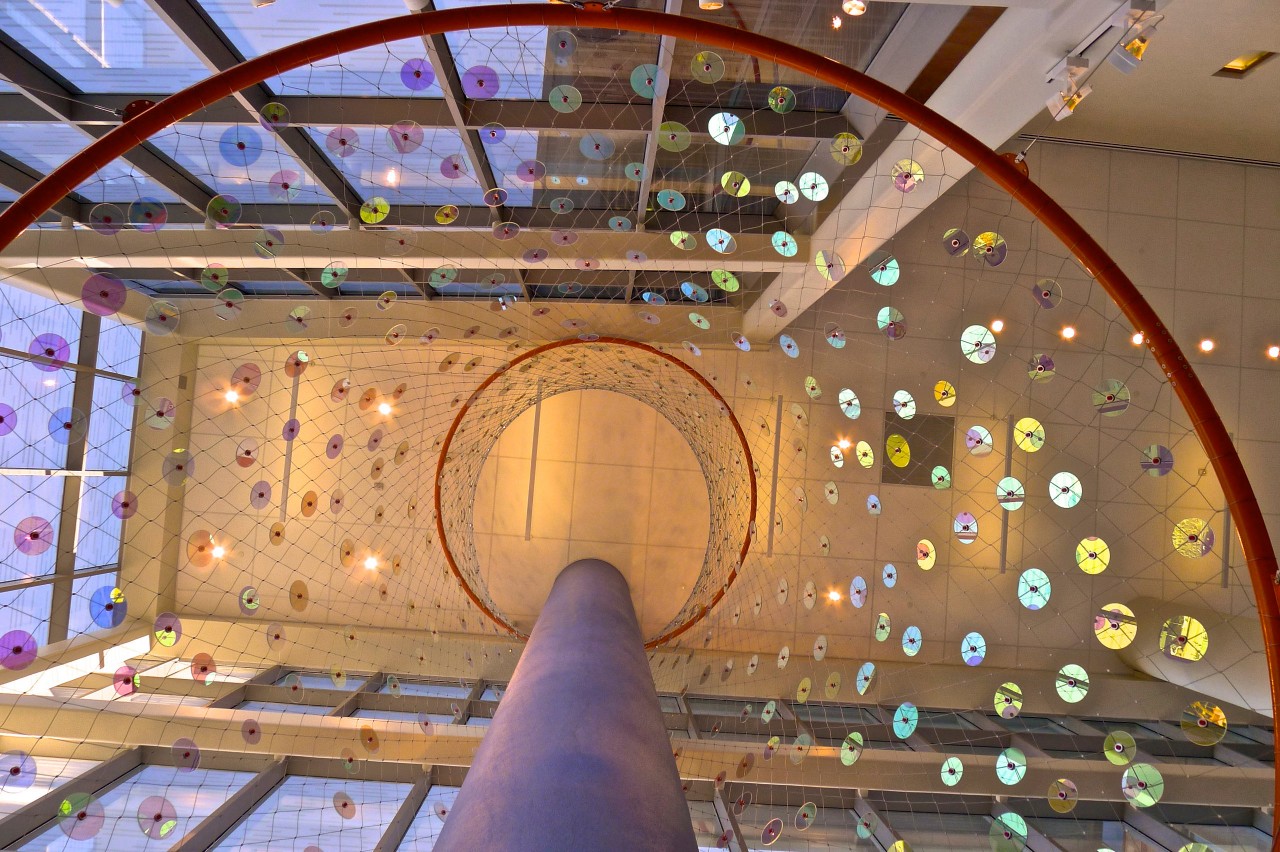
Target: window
<point x="191" y="794"/>
<point x="426" y="825"/>
<point x="332" y="813"/>
<point x="66" y="427"/>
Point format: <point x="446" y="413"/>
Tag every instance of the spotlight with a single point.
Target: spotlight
<point x="232" y="397"/>
<point x="854" y="7"/>
<point x="1273" y="352"/>
<point x="1065" y="102"/>
<point x="1206" y="345"/>
<point x="997" y="326"/>
<point x="1068" y="332"/>
<point x="1127" y="55"/>
<point x="384" y="408"/>
<point x="1138" y="339"/>
<point x="371" y="562"/>
<point x="219" y="551"/>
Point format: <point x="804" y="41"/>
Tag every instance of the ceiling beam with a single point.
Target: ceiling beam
<point x="52" y="97"/>
<point x="321" y="110"/>
<point x="993" y="92"/>
<point x="289" y="217"/>
<point x="662" y="83"/>
<point x="457" y="106"/>
<point x="195" y="248"/>
<point x="212" y="48"/>
<point x="911" y="46"/>
<point x="20" y="178"/>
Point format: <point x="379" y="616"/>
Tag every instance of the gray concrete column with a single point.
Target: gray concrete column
<point x="577" y="757"/>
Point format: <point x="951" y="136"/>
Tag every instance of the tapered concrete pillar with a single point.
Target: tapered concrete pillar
<point x="577" y="757"/>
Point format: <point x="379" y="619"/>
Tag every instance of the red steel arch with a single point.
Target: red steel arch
<point x="1260" y="556"/>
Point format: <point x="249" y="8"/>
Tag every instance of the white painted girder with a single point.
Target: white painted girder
<point x="993" y="93"/>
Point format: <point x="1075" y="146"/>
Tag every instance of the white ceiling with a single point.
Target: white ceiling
<point x="1173" y="101"/>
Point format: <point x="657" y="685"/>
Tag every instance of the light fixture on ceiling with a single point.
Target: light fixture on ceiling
<point x="1068" y="332"/>
<point x="258" y="4"/>
<point x="231" y="397"/>
<point x="1129" y="52"/>
<point x="384" y="408"/>
<point x="219" y="551"/>
<point x="1073" y="70"/>
<point x="1273" y="352"/>
<point x="1065" y="102"/>
<point x="836" y="22"/>
<point x="1137" y="339"/>
<point x="997" y="326"/>
<point x="844" y="443"/>
<point x="371" y="562"/>
<point x="1244" y="64"/>
<point x="391" y="177"/>
<point x="854" y="8"/>
<point x="1207" y="345"/>
<point x="710" y="5"/>
<point x="833" y="596"/>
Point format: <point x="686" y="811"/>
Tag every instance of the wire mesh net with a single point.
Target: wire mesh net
<point x="981" y="508"/>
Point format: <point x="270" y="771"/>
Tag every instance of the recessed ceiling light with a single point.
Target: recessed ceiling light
<point x="232" y="396"/>
<point x="219" y="551"/>
<point x="1244" y="64"/>
<point x="997" y="325"/>
<point x="1206" y="345"/>
<point x="384" y="408"/>
<point x="1273" y="352"/>
<point x="1137" y="338"/>
<point x="833" y="596"/>
<point x="371" y="562"/>
<point x="1068" y="332"/>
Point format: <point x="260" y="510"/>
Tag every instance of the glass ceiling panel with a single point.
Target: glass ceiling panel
<point x="7" y="194"/>
<point x="375" y="168"/>
<point x="587" y="182"/>
<point x="529" y="63"/>
<point x="372" y="71"/>
<point x="45" y="146"/>
<point x="747" y="81"/>
<point x="253" y="174"/>
<point x="516" y="57"/>
<point x="100" y="46"/>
